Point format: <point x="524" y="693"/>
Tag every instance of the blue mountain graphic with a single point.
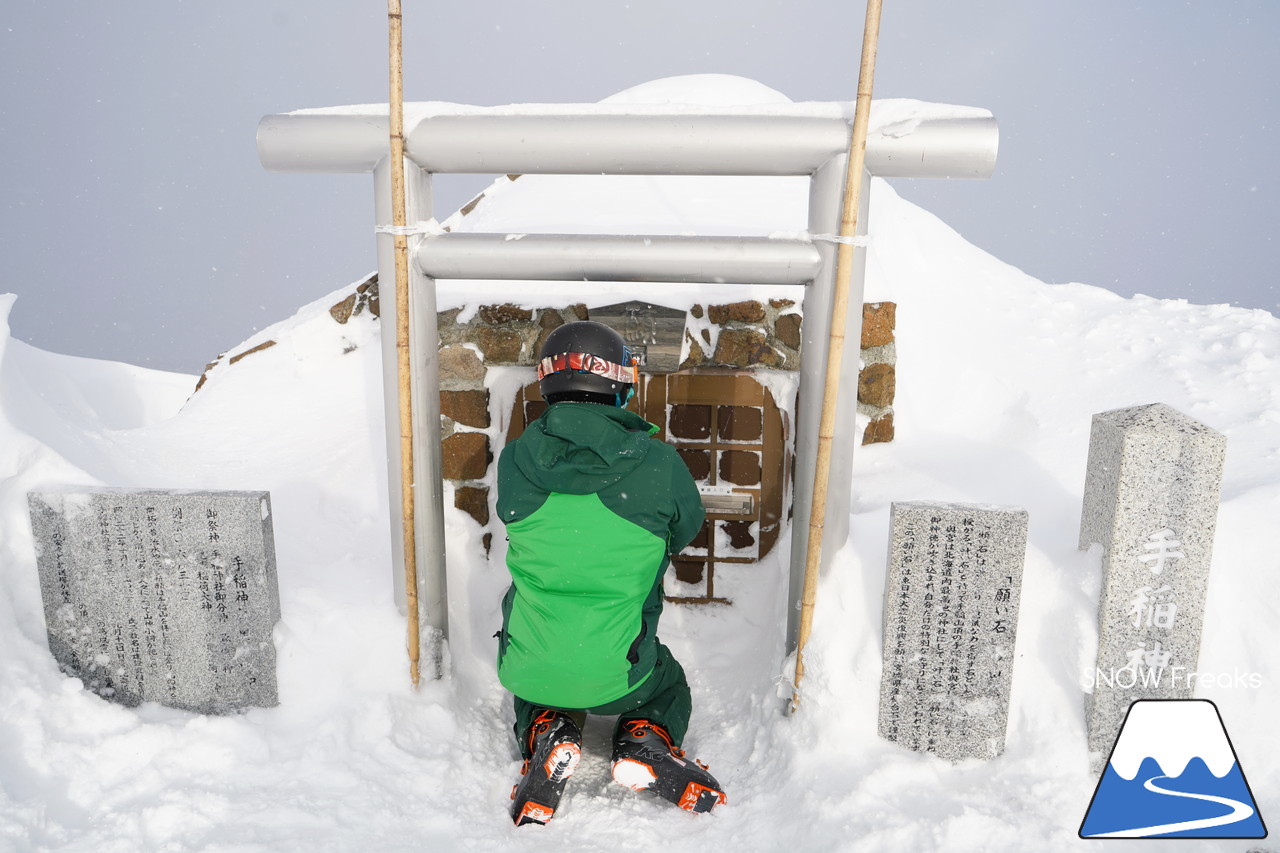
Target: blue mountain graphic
<point x="1122" y="805"/>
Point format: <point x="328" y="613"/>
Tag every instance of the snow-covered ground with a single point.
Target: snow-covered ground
<point x="998" y="376"/>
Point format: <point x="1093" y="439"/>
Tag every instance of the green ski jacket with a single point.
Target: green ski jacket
<point x="594" y="508"/>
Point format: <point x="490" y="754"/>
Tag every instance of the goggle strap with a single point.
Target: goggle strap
<point x="589" y="363"/>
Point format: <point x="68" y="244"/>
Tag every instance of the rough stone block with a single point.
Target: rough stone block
<point x="500" y="346"/>
<point x="460" y="364"/>
<point x="474" y="501"/>
<point x="878" y="322"/>
<point x="549" y="320"/>
<point x="470" y="408"/>
<point x="950" y="624"/>
<point x="696" y="356"/>
<point x="745" y="348"/>
<point x="787" y="328"/>
<point x="742" y="312"/>
<point x="497" y="315"/>
<point x="1151" y="501"/>
<point x="465" y="456"/>
<point x="161" y="596"/>
<point x="342" y="311"/>
<point x="877" y="384"/>
<point x="879" y="430"/>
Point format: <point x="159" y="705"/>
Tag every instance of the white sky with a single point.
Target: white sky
<point x="136" y="223"/>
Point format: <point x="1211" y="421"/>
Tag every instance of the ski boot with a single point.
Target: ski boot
<point x="555" y="744"/>
<point x="645" y="759"/>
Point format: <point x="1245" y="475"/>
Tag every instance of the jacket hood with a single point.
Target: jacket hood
<point x="581" y="448"/>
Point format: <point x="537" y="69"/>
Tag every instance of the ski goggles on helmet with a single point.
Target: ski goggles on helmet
<point x="585" y="362"/>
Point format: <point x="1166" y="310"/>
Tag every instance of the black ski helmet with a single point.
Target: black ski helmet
<point x="585" y="361"/>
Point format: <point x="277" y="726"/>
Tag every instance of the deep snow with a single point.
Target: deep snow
<point x="998" y="376"/>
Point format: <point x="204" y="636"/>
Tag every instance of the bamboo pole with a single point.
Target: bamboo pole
<point x="835" y="350"/>
<point x="413" y="640"/>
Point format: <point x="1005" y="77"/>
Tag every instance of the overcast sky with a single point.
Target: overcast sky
<point x="1137" y="150"/>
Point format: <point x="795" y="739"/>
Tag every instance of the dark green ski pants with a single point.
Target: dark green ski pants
<point x="663" y="699"/>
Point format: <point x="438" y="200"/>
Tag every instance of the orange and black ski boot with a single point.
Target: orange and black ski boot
<point x="555" y="747"/>
<point x="645" y="759"/>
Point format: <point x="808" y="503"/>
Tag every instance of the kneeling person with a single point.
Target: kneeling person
<point x="594" y="510"/>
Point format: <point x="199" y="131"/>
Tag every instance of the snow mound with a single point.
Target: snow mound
<point x="998" y="376"/>
<point x="709" y="89"/>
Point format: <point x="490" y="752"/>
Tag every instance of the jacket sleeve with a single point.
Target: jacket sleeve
<point x="687" y="501"/>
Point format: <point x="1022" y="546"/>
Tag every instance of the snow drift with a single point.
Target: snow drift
<point x="998" y="376"/>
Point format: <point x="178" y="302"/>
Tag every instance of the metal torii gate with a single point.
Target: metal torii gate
<point x="803" y="140"/>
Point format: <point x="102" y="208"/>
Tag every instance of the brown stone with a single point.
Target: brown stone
<point x="579" y="310"/>
<point x="500" y="346"/>
<point x="878" y="322"/>
<point x="342" y="311"/>
<point x="471" y="205"/>
<point x="696" y="311"/>
<point x="259" y="348"/>
<point x="497" y="315"/>
<point x="879" y="430"/>
<point x="749" y="311"/>
<point x="459" y="362"/>
<point x="366" y="299"/>
<point x="446" y="319"/>
<point x="787" y="328"/>
<point x="204" y="377"/>
<point x="740" y="467"/>
<point x="779" y="304"/>
<point x="470" y="408"/>
<point x="876" y="385"/>
<point x="549" y="320"/>
<point x="465" y="456"/>
<point x="745" y="348"/>
<point x="474" y="501"/>
<point x="696" y="357"/>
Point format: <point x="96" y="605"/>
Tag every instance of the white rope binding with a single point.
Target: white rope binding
<point x="859" y="240"/>
<point x="428" y="227"/>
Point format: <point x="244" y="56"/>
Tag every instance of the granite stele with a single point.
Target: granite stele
<point x="1151" y="501"/>
<point x="161" y="596"/>
<point x="950" y="624"/>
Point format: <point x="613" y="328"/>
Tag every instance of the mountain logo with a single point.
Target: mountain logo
<point x="1173" y="773"/>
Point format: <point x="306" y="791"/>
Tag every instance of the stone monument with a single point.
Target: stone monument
<point x="161" y="596"/>
<point x="950" y="624"/>
<point x="1151" y="501"/>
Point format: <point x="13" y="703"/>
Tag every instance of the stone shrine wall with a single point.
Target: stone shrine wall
<point x="747" y="334"/>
